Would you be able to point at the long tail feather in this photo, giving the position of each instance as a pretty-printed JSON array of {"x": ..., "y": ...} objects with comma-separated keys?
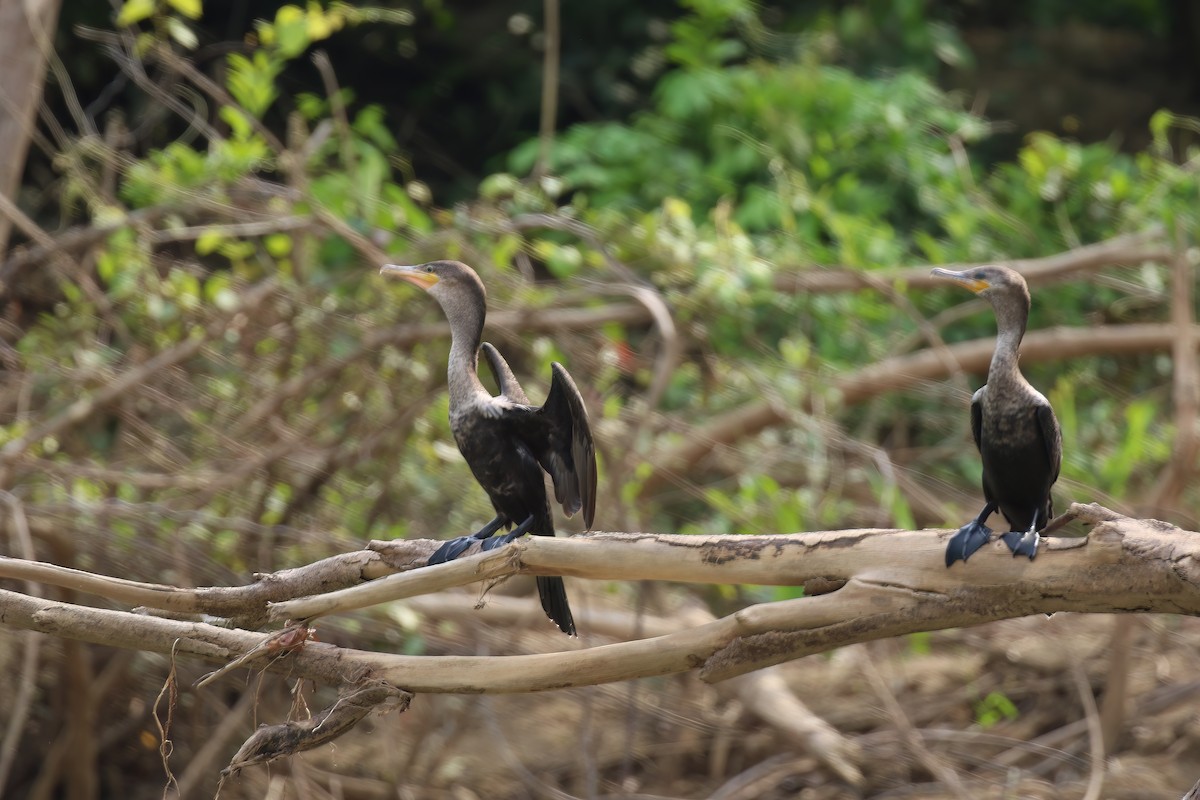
[{"x": 554, "y": 602}]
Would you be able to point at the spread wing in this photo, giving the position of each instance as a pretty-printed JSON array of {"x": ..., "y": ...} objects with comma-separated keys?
[
  {"x": 569, "y": 455},
  {"x": 503, "y": 375},
  {"x": 557, "y": 433}
]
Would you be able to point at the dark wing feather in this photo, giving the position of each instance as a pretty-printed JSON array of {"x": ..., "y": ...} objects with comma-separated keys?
[
  {"x": 1051, "y": 436},
  {"x": 503, "y": 375},
  {"x": 560, "y": 438},
  {"x": 977, "y": 416},
  {"x": 571, "y": 457}
]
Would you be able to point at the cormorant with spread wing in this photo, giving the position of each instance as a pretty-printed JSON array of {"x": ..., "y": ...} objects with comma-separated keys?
[
  {"x": 1015, "y": 429},
  {"x": 506, "y": 441}
]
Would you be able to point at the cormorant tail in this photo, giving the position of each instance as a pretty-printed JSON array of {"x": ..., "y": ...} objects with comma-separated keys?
[{"x": 554, "y": 603}]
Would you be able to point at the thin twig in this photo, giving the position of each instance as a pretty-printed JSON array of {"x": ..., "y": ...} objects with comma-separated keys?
[
  {"x": 84, "y": 407},
  {"x": 551, "y": 38},
  {"x": 902, "y": 372},
  {"x": 1096, "y": 750},
  {"x": 1127, "y": 249},
  {"x": 908, "y": 733},
  {"x": 1186, "y": 385},
  {"x": 18, "y": 711},
  {"x": 337, "y": 107},
  {"x": 230, "y": 229}
]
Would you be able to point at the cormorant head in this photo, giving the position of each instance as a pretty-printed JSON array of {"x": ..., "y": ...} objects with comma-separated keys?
[
  {"x": 992, "y": 281},
  {"x": 452, "y": 283}
]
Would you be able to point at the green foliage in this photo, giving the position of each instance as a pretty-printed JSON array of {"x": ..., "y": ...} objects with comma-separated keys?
[
  {"x": 919, "y": 643},
  {"x": 760, "y": 153},
  {"x": 994, "y": 709},
  {"x": 246, "y": 439},
  {"x": 854, "y": 170}
]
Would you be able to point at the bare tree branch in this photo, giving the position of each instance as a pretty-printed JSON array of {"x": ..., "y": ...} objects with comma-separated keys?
[
  {"x": 1129, "y": 249},
  {"x": 85, "y": 406},
  {"x": 902, "y": 372},
  {"x": 863, "y": 585},
  {"x": 877, "y": 584}
]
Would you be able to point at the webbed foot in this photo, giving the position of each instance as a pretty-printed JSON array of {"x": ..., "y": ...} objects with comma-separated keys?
[
  {"x": 456, "y": 547},
  {"x": 1022, "y": 544},
  {"x": 452, "y": 549},
  {"x": 514, "y": 534},
  {"x": 497, "y": 541},
  {"x": 970, "y": 537}
]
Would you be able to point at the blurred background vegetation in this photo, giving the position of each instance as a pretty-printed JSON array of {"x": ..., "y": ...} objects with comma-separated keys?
[{"x": 205, "y": 378}]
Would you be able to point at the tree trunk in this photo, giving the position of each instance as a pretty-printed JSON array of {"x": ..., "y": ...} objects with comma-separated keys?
[{"x": 26, "y": 35}]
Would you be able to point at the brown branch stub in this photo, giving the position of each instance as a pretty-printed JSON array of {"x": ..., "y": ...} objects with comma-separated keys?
[
  {"x": 271, "y": 742},
  {"x": 288, "y": 640}
]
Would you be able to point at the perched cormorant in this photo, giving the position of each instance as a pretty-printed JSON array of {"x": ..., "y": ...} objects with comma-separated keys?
[
  {"x": 507, "y": 441},
  {"x": 1014, "y": 427}
]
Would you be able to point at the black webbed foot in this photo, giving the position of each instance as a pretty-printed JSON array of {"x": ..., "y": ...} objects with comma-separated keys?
[
  {"x": 970, "y": 537},
  {"x": 1022, "y": 544},
  {"x": 514, "y": 534},
  {"x": 499, "y": 541},
  {"x": 456, "y": 547},
  {"x": 453, "y": 549}
]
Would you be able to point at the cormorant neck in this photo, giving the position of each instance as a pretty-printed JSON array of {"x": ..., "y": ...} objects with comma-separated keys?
[
  {"x": 1012, "y": 314},
  {"x": 466, "y": 332}
]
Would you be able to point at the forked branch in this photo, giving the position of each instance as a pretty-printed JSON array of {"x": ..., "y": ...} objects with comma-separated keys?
[
  {"x": 868, "y": 584},
  {"x": 863, "y": 585}
]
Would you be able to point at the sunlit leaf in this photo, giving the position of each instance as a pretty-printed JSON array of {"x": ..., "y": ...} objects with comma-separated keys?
[
  {"x": 180, "y": 32},
  {"x": 134, "y": 11},
  {"x": 189, "y": 8}
]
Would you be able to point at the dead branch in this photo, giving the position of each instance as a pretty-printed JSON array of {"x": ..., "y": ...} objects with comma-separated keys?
[
  {"x": 85, "y": 406},
  {"x": 890, "y": 583},
  {"x": 763, "y": 693},
  {"x": 864, "y": 585},
  {"x": 901, "y": 372},
  {"x": 244, "y": 604},
  {"x": 1186, "y": 386},
  {"x": 524, "y": 320},
  {"x": 270, "y": 742},
  {"x": 1129, "y": 249}
]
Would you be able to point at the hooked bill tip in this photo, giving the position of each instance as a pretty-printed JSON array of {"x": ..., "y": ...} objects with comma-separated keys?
[
  {"x": 974, "y": 284},
  {"x": 413, "y": 274}
]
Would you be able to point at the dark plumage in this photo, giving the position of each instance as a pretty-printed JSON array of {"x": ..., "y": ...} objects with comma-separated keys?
[
  {"x": 1014, "y": 427},
  {"x": 507, "y": 441}
]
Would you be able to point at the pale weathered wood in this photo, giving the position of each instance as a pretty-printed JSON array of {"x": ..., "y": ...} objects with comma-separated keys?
[
  {"x": 867, "y": 584},
  {"x": 876, "y": 584}
]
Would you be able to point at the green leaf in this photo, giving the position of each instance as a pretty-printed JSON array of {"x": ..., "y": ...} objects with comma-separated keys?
[
  {"x": 252, "y": 81},
  {"x": 291, "y": 31},
  {"x": 180, "y": 32},
  {"x": 1160, "y": 123},
  {"x": 135, "y": 11},
  {"x": 189, "y": 8},
  {"x": 994, "y": 709},
  {"x": 278, "y": 244},
  {"x": 208, "y": 242},
  {"x": 236, "y": 121}
]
